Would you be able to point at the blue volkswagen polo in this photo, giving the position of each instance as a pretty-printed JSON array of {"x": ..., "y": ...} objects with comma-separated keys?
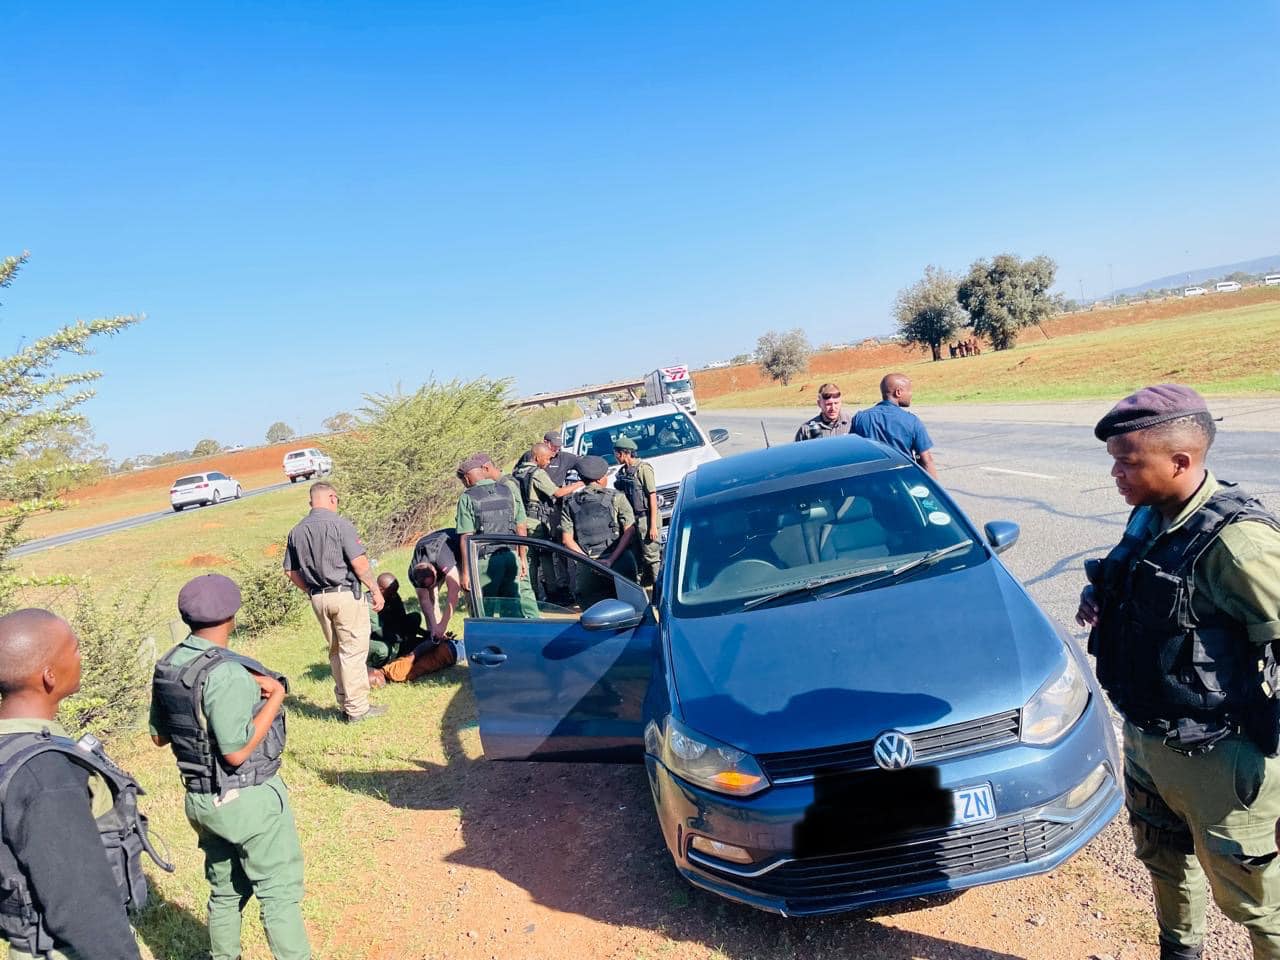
[{"x": 841, "y": 697}]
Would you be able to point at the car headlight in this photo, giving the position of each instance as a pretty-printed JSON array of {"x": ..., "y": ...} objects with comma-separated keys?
[
  {"x": 701, "y": 760},
  {"x": 1056, "y": 706}
]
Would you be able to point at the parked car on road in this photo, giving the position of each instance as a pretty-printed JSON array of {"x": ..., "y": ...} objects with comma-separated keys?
[
  {"x": 841, "y": 697},
  {"x": 304, "y": 464},
  {"x": 666, "y": 437},
  {"x": 203, "y": 488}
]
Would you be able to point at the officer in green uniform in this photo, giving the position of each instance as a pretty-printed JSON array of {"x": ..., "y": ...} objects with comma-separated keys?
[
  {"x": 542, "y": 504},
  {"x": 491, "y": 503},
  {"x": 1185, "y": 613},
  {"x": 223, "y": 716},
  {"x": 635, "y": 481},
  {"x": 69, "y": 860},
  {"x": 598, "y": 522}
]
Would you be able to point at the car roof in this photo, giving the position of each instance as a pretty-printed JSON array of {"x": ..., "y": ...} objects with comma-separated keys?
[
  {"x": 788, "y": 465},
  {"x": 624, "y": 416}
]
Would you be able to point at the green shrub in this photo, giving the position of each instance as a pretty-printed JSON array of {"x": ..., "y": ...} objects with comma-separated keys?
[
  {"x": 118, "y": 649},
  {"x": 267, "y": 597},
  {"x": 395, "y": 469}
]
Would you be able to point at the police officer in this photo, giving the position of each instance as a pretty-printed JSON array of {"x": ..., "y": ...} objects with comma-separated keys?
[
  {"x": 541, "y": 498},
  {"x": 1185, "y": 613},
  {"x": 223, "y": 716},
  {"x": 69, "y": 815},
  {"x": 326, "y": 560},
  {"x": 435, "y": 560},
  {"x": 490, "y": 504},
  {"x": 889, "y": 422},
  {"x": 829, "y": 421},
  {"x": 598, "y": 522},
  {"x": 635, "y": 481}
]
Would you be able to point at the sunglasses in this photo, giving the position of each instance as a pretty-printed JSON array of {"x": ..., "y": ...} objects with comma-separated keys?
[{"x": 831, "y": 396}]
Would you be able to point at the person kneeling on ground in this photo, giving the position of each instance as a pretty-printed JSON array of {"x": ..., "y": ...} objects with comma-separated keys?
[
  {"x": 399, "y": 631},
  {"x": 409, "y": 652}
]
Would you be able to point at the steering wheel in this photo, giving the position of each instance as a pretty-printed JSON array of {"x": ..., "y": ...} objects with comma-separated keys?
[{"x": 746, "y": 572}]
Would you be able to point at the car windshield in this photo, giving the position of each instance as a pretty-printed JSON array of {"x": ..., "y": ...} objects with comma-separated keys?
[
  {"x": 296, "y": 456},
  {"x": 653, "y": 437},
  {"x": 187, "y": 481},
  {"x": 568, "y": 434},
  {"x": 678, "y": 386},
  {"x": 816, "y": 540}
]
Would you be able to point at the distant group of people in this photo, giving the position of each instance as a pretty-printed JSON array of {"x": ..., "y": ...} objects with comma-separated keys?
[
  {"x": 965, "y": 348},
  {"x": 888, "y": 422}
]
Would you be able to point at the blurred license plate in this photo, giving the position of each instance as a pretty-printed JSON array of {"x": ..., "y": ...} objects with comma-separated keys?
[{"x": 973, "y": 805}]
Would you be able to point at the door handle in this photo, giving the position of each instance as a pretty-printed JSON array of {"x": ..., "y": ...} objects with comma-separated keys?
[{"x": 489, "y": 657}]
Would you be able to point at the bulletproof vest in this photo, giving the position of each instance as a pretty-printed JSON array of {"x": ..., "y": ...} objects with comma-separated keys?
[
  {"x": 627, "y": 482},
  {"x": 594, "y": 526},
  {"x": 178, "y": 693},
  {"x": 495, "y": 507},
  {"x": 122, "y": 829},
  {"x": 1164, "y": 666},
  {"x": 533, "y": 502}
]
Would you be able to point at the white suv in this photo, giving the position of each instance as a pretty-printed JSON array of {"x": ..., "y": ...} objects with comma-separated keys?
[
  {"x": 304, "y": 464},
  {"x": 203, "y": 488}
]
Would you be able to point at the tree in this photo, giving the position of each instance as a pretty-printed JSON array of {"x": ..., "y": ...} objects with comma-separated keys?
[
  {"x": 783, "y": 355},
  {"x": 206, "y": 448},
  {"x": 1007, "y": 294},
  {"x": 927, "y": 311},
  {"x": 279, "y": 432},
  {"x": 340, "y": 422},
  {"x": 38, "y": 405},
  {"x": 60, "y": 459}
]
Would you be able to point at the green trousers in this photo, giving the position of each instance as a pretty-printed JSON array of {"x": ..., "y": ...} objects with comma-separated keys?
[
  {"x": 1208, "y": 818},
  {"x": 542, "y": 574},
  {"x": 591, "y": 587},
  {"x": 506, "y": 593},
  {"x": 648, "y": 554},
  {"x": 251, "y": 848}
]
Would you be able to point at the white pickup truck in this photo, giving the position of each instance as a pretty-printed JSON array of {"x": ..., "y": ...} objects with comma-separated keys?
[{"x": 304, "y": 464}]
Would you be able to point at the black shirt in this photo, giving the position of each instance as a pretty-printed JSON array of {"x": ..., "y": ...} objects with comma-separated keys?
[
  {"x": 440, "y": 548},
  {"x": 49, "y": 827}
]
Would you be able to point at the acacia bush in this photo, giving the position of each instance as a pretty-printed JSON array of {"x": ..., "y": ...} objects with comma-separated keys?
[
  {"x": 267, "y": 598},
  {"x": 395, "y": 469},
  {"x": 118, "y": 649}
]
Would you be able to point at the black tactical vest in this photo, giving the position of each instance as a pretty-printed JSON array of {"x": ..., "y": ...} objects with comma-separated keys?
[
  {"x": 627, "y": 482},
  {"x": 495, "y": 507},
  {"x": 594, "y": 526},
  {"x": 1165, "y": 668},
  {"x": 533, "y": 503},
  {"x": 122, "y": 829},
  {"x": 178, "y": 693}
]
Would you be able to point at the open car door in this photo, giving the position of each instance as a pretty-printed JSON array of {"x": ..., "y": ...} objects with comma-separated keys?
[{"x": 554, "y": 682}]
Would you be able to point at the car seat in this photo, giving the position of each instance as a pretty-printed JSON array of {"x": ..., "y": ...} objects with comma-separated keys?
[{"x": 854, "y": 534}]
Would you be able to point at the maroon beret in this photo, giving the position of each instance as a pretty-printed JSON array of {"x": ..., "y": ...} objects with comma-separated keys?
[
  {"x": 1148, "y": 407},
  {"x": 473, "y": 462},
  {"x": 211, "y": 598}
]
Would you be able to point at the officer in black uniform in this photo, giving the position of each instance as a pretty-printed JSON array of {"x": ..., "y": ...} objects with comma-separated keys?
[
  {"x": 1185, "y": 614},
  {"x": 435, "y": 560},
  {"x": 72, "y": 835}
]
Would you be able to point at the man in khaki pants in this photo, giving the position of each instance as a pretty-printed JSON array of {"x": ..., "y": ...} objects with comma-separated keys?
[{"x": 326, "y": 560}]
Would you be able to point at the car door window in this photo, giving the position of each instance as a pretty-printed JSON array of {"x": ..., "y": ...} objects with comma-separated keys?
[{"x": 553, "y": 583}]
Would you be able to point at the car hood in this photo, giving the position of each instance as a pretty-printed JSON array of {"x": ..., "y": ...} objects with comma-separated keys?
[
  {"x": 810, "y": 673},
  {"x": 671, "y": 467}
]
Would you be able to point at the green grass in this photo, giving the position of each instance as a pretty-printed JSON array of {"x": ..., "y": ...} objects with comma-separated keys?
[{"x": 1235, "y": 351}]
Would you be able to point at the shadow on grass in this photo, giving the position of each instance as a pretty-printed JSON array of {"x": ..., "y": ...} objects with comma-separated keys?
[
  {"x": 170, "y": 931},
  {"x": 609, "y": 861}
]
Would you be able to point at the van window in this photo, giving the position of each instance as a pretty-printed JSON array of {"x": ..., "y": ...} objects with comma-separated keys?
[
  {"x": 189, "y": 481},
  {"x": 296, "y": 455},
  {"x": 654, "y": 437}
]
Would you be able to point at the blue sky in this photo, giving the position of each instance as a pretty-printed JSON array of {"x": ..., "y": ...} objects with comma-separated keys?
[{"x": 314, "y": 202}]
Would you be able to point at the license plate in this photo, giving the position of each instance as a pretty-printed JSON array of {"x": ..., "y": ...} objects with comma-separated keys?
[{"x": 973, "y": 805}]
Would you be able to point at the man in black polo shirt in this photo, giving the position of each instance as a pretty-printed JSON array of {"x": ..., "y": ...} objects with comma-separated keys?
[{"x": 326, "y": 560}]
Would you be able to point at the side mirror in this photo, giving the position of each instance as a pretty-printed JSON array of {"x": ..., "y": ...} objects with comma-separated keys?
[
  {"x": 610, "y": 615},
  {"x": 719, "y": 435},
  {"x": 1001, "y": 534}
]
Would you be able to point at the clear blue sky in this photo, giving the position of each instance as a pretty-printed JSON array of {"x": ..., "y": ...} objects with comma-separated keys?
[{"x": 315, "y": 201}]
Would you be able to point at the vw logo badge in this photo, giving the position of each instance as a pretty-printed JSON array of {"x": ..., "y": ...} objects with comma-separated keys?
[{"x": 893, "y": 750}]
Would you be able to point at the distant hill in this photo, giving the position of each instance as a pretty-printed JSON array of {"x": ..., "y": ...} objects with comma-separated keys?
[{"x": 1269, "y": 264}]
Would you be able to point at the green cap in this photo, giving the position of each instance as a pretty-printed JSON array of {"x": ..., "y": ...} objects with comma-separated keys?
[{"x": 624, "y": 443}]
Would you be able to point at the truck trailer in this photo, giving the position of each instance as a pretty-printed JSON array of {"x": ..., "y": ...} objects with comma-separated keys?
[{"x": 670, "y": 385}]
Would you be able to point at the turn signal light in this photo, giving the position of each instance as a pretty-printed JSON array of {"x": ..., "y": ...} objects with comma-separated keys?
[
  {"x": 724, "y": 851},
  {"x": 736, "y": 780}
]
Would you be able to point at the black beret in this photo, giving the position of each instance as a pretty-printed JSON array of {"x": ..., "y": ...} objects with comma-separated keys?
[
  {"x": 211, "y": 598},
  {"x": 592, "y": 468},
  {"x": 553, "y": 437},
  {"x": 473, "y": 462},
  {"x": 1148, "y": 407}
]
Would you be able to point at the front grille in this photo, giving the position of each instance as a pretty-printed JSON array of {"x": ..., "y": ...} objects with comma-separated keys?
[
  {"x": 937, "y": 855},
  {"x": 667, "y": 498},
  {"x": 930, "y": 745}
]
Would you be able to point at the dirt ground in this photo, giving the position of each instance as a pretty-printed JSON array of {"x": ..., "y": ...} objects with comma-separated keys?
[{"x": 715, "y": 383}]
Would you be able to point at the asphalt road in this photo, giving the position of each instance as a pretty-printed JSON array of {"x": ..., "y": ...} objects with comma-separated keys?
[{"x": 75, "y": 536}]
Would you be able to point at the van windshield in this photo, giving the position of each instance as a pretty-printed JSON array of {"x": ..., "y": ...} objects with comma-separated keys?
[
  {"x": 654, "y": 437},
  {"x": 730, "y": 554}
]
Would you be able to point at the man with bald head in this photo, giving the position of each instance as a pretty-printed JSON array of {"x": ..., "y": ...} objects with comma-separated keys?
[
  {"x": 49, "y": 825},
  {"x": 889, "y": 422},
  {"x": 542, "y": 498},
  {"x": 1185, "y": 618}
]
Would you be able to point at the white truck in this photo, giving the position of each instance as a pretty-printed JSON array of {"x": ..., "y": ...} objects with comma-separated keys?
[{"x": 670, "y": 385}]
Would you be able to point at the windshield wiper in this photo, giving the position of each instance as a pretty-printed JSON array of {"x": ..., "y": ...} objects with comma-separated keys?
[
  {"x": 810, "y": 585},
  {"x": 923, "y": 561}
]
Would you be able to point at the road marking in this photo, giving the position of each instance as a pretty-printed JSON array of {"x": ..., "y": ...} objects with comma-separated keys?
[{"x": 1020, "y": 473}]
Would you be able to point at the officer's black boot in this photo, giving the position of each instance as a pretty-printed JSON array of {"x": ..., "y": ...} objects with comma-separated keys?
[{"x": 1171, "y": 951}]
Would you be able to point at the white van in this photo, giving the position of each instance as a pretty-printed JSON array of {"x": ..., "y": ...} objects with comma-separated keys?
[
  {"x": 1194, "y": 292},
  {"x": 1272, "y": 280},
  {"x": 1226, "y": 286}
]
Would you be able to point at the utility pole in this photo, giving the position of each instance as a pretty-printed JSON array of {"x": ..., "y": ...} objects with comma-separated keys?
[
  {"x": 1111, "y": 282},
  {"x": 1081, "y": 282}
]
